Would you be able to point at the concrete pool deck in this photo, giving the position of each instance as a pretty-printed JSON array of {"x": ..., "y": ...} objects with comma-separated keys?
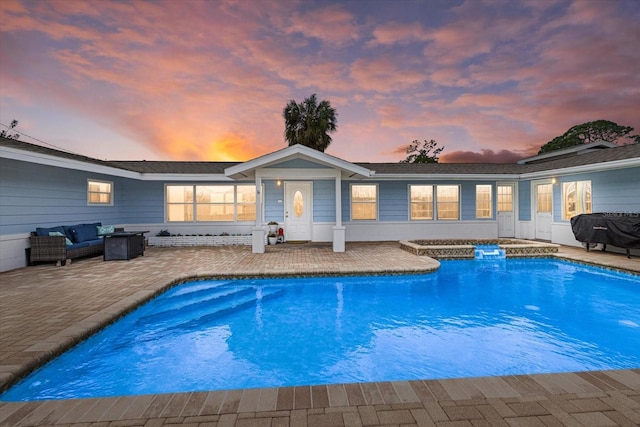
[{"x": 44, "y": 310}]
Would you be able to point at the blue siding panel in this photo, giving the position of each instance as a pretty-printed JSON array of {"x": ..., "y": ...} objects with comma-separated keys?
[
  {"x": 37, "y": 195},
  {"x": 524, "y": 201},
  {"x": 612, "y": 191},
  {"x": 143, "y": 202},
  {"x": 297, "y": 164},
  {"x": 346, "y": 201},
  {"x": 324, "y": 201},
  {"x": 273, "y": 201},
  {"x": 393, "y": 202}
]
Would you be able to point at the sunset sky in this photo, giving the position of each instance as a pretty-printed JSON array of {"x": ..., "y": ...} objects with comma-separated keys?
[{"x": 207, "y": 80}]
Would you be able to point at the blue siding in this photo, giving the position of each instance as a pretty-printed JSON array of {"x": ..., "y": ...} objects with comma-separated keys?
[
  {"x": 273, "y": 201},
  {"x": 346, "y": 201},
  {"x": 298, "y": 164},
  {"x": 142, "y": 202},
  {"x": 612, "y": 191},
  {"x": 324, "y": 201},
  {"x": 524, "y": 201},
  {"x": 393, "y": 202},
  {"x": 37, "y": 195}
]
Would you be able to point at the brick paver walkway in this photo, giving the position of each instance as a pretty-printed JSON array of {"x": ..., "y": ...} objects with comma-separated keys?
[{"x": 44, "y": 310}]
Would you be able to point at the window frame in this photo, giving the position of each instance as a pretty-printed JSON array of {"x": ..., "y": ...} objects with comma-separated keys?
[
  {"x": 457, "y": 202},
  {"x": 488, "y": 215},
  {"x": 375, "y": 202},
  {"x": 194, "y": 203},
  {"x": 500, "y": 203},
  {"x": 579, "y": 208},
  {"x": 111, "y": 192},
  {"x": 413, "y": 203}
]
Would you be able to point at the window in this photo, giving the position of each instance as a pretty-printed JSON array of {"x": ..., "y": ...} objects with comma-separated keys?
[
  {"x": 246, "y": 202},
  {"x": 483, "y": 201},
  {"x": 99, "y": 192},
  {"x": 364, "y": 202},
  {"x": 209, "y": 203},
  {"x": 179, "y": 202},
  {"x": 545, "y": 196},
  {"x": 448, "y": 202},
  {"x": 421, "y": 200},
  {"x": 505, "y": 198},
  {"x": 576, "y": 198}
]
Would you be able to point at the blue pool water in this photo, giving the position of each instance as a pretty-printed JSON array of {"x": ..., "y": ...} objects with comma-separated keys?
[{"x": 471, "y": 318}]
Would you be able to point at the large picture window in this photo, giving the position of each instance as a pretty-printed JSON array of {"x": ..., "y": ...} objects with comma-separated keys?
[
  {"x": 483, "y": 201},
  {"x": 211, "y": 203},
  {"x": 99, "y": 192},
  {"x": 364, "y": 202},
  {"x": 448, "y": 202},
  {"x": 576, "y": 198},
  {"x": 421, "y": 200}
]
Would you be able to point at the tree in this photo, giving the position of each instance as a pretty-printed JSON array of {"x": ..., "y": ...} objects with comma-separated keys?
[
  {"x": 309, "y": 123},
  {"x": 422, "y": 152},
  {"x": 599, "y": 130},
  {"x": 7, "y": 133}
]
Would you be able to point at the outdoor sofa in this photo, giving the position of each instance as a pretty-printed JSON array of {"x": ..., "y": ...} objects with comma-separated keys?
[{"x": 66, "y": 242}]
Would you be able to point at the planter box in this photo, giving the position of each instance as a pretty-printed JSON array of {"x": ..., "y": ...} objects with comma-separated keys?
[{"x": 172, "y": 241}]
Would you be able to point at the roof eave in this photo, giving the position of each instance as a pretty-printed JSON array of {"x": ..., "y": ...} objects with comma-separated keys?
[
  {"x": 61, "y": 162},
  {"x": 247, "y": 169}
]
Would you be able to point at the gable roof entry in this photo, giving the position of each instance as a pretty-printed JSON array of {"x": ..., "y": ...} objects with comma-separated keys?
[{"x": 248, "y": 169}]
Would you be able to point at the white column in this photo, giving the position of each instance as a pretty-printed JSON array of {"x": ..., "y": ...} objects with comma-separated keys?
[
  {"x": 257, "y": 232},
  {"x": 339, "y": 231}
]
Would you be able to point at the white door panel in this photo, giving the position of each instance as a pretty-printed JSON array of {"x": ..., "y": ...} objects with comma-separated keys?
[{"x": 298, "y": 210}]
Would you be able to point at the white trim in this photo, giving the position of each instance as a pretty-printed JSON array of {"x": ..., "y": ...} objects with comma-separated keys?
[
  {"x": 61, "y": 162},
  {"x": 579, "y": 149},
  {"x": 593, "y": 167},
  {"x": 248, "y": 169},
  {"x": 364, "y": 221},
  {"x": 445, "y": 177},
  {"x": 111, "y": 193}
]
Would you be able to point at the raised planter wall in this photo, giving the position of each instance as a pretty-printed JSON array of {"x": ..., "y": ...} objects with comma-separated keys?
[{"x": 172, "y": 241}]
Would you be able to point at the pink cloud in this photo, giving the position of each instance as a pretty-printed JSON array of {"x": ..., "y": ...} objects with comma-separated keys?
[
  {"x": 399, "y": 32},
  {"x": 332, "y": 24}
]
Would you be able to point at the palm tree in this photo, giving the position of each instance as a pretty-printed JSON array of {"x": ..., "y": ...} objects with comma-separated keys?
[{"x": 309, "y": 123}]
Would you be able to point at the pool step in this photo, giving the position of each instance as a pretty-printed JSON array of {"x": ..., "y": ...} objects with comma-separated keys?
[
  {"x": 212, "y": 308},
  {"x": 235, "y": 306},
  {"x": 195, "y": 303},
  {"x": 192, "y": 292}
]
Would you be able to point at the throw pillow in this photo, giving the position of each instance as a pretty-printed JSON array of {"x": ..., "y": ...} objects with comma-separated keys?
[
  {"x": 57, "y": 233},
  {"x": 85, "y": 232},
  {"x": 105, "y": 229}
]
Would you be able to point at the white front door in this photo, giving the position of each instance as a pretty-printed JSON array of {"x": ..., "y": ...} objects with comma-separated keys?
[
  {"x": 544, "y": 205},
  {"x": 506, "y": 216},
  {"x": 297, "y": 210}
]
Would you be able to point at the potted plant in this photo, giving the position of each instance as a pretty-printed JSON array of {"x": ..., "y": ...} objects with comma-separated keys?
[
  {"x": 273, "y": 227},
  {"x": 273, "y": 238}
]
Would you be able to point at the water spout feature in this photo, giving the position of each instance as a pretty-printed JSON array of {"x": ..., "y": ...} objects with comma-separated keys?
[{"x": 486, "y": 252}]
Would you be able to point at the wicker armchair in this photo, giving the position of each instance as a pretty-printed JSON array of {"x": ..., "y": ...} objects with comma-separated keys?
[{"x": 54, "y": 248}]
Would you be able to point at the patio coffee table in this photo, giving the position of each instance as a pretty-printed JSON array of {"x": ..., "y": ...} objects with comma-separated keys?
[{"x": 123, "y": 245}]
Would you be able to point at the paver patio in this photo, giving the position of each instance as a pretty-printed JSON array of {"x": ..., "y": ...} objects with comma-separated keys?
[{"x": 44, "y": 310}]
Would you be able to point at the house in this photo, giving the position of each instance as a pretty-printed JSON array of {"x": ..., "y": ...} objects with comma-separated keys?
[{"x": 313, "y": 195}]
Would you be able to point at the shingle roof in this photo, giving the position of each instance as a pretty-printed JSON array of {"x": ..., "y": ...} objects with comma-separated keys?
[
  {"x": 180, "y": 167},
  {"x": 177, "y": 167}
]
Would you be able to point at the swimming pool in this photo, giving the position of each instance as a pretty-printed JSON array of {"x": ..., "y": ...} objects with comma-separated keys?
[{"x": 470, "y": 318}]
